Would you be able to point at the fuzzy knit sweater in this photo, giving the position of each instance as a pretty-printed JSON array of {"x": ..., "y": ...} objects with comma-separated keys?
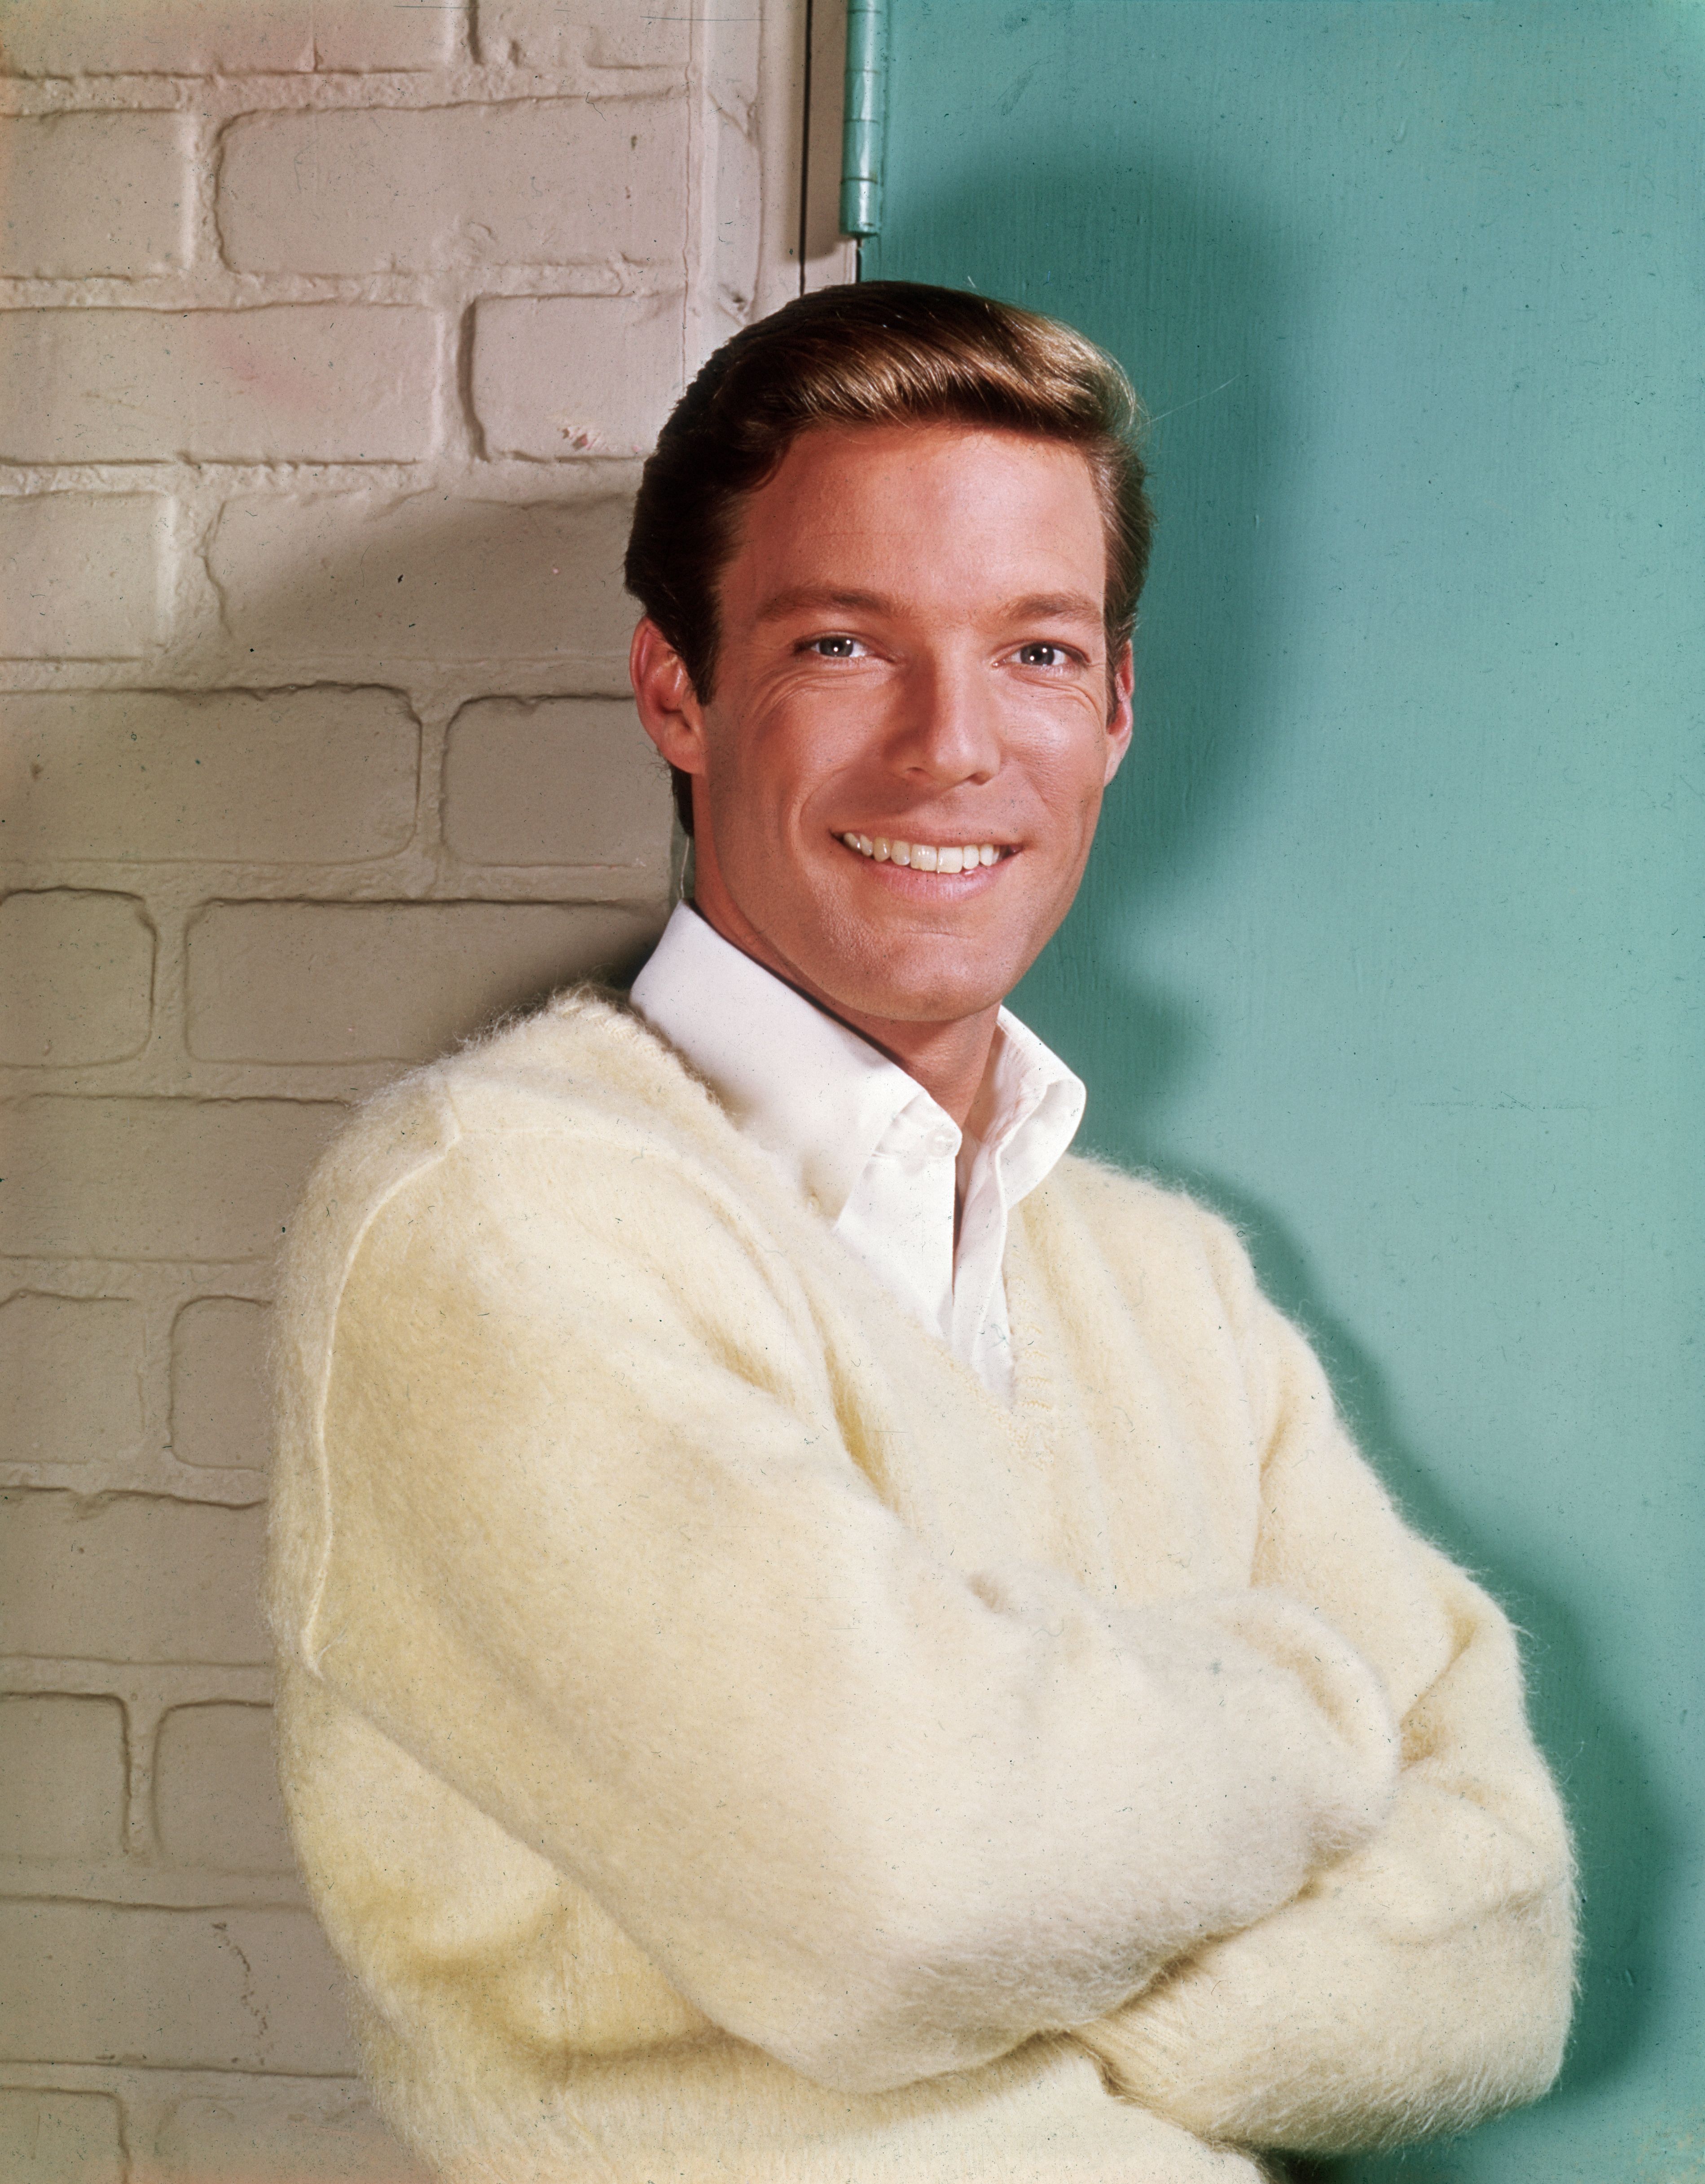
[{"x": 725, "y": 1742}]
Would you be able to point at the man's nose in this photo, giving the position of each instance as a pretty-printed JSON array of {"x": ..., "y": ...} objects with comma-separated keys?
[{"x": 950, "y": 726}]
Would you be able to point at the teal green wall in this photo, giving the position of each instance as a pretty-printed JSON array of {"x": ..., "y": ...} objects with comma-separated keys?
[{"x": 1392, "y": 942}]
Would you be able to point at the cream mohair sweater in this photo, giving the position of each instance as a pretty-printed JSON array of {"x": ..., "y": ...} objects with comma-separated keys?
[{"x": 724, "y": 1742}]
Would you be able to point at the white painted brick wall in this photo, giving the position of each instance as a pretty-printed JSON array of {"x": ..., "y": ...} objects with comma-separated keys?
[
  {"x": 105, "y": 778},
  {"x": 219, "y": 1402},
  {"x": 530, "y": 183},
  {"x": 71, "y": 1380},
  {"x": 288, "y": 382},
  {"x": 555, "y": 376},
  {"x": 330, "y": 334},
  {"x": 216, "y": 1800},
  {"x": 83, "y": 575},
  {"x": 96, "y": 194},
  {"x": 229, "y": 38},
  {"x": 76, "y": 976},
  {"x": 46, "y": 2137},
  {"x": 62, "y": 1778}
]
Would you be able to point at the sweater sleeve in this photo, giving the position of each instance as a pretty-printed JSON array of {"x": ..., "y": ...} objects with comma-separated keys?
[
  {"x": 596, "y": 1553},
  {"x": 1423, "y": 1981}
]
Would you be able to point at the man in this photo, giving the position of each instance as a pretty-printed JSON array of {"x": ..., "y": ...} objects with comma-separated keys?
[{"x": 822, "y": 1637}]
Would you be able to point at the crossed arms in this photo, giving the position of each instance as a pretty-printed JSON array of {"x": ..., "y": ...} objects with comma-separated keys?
[{"x": 628, "y": 1529}]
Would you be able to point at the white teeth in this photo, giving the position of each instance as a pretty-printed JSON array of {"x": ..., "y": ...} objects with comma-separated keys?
[{"x": 924, "y": 856}]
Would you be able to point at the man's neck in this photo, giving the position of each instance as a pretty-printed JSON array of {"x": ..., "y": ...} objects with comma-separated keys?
[{"x": 949, "y": 1060}]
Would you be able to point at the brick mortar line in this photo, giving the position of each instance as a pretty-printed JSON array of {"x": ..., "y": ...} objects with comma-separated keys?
[
  {"x": 311, "y": 1083},
  {"x": 200, "y": 228},
  {"x": 189, "y": 2079},
  {"x": 116, "y": 1886},
  {"x": 163, "y": 1051},
  {"x": 145, "y": 1279},
  {"x": 515, "y": 886},
  {"x": 451, "y": 684},
  {"x": 146, "y": 1684},
  {"x": 505, "y": 479},
  {"x": 588, "y": 475},
  {"x": 72, "y": 2072},
  {"x": 157, "y": 1481},
  {"x": 252, "y": 1484},
  {"x": 219, "y": 288},
  {"x": 227, "y": 95}
]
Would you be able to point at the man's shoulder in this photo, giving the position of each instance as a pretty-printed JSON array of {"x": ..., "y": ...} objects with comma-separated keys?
[
  {"x": 1121, "y": 1198},
  {"x": 579, "y": 1085},
  {"x": 582, "y": 1064},
  {"x": 1139, "y": 1224}
]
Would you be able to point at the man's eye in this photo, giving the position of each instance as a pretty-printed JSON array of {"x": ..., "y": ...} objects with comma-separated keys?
[
  {"x": 1041, "y": 655},
  {"x": 834, "y": 648}
]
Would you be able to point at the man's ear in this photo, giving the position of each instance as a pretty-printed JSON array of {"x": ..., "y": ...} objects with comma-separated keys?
[
  {"x": 669, "y": 708},
  {"x": 1121, "y": 717}
]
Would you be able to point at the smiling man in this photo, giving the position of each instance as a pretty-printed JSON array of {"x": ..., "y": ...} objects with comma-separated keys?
[{"x": 821, "y": 1636}]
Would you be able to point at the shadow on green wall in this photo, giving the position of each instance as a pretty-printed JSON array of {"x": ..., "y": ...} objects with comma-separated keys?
[{"x": 1189, "y": 288}]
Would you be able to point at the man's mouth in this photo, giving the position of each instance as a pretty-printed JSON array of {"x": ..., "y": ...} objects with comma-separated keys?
[{"x": 926, "y": 856}]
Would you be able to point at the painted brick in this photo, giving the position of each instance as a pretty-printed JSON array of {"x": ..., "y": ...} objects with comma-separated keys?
[
  {"x": 60, "y": 2138},
  {"x": 562, "y": 375},
  {"x": 156, "y": 1179},
  {"x": 212, "y": 37},
  {"x": 247, "y": 1990},
  {"x": 310, "y": 382},
  {"x": 95, "y": 193},
  {"x": 317, "y": 777},
  {"x": 291, "y": 2133},
  {"x": 350, "y": 576},
  {"x": 379, "y": 34},
  {"x": 82, "y": 575},
  {"x": 165, "y": 37},
  {"x": 62, "y": 1777},
  {"x": 527, "y": 184},
  {"x": 332, "y": 982},
  {"x": 555, "y": 781},
  {"x": 603, "y": 33},
  {"x": 70, "y": 1379},
  {"x": 130, "y": 1577},
  {"x": 76, "y": 977},
  {"x": 216, "y": 1798},
  {"x": 219, "y": 1396}
]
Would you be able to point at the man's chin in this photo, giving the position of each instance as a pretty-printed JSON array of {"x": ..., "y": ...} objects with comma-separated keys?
[{"x": 896, "y": 993}]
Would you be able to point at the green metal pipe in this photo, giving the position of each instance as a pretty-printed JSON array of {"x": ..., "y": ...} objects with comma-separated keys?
[{"x": 864, "y": 116}]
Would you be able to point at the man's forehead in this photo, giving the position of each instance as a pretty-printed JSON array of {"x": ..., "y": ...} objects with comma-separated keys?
[
  {"x": 1016, "y": 515},
  {"x": 848, "y": 448}
]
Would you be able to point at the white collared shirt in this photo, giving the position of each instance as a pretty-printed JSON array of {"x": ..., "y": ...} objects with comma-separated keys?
[{"x": 864, "y": 1143}]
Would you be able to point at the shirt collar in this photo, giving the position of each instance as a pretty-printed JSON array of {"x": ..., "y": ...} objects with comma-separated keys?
[
  {"x": 815, "y": 1095},
  {"x": 1036, "y": 1106}
]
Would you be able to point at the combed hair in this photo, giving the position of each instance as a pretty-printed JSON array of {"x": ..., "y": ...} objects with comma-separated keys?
[{"x": 878, "y": 352}]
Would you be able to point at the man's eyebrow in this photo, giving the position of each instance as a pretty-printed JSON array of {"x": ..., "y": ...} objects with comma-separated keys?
[
  {"x": 799, "y": 596},
  {"x": 1052, "y": 606},
  {"x": 1031, "y": 606}
]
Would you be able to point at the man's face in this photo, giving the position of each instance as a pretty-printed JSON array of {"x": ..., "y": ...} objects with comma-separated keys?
[{"x": 912, "y": 654}]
